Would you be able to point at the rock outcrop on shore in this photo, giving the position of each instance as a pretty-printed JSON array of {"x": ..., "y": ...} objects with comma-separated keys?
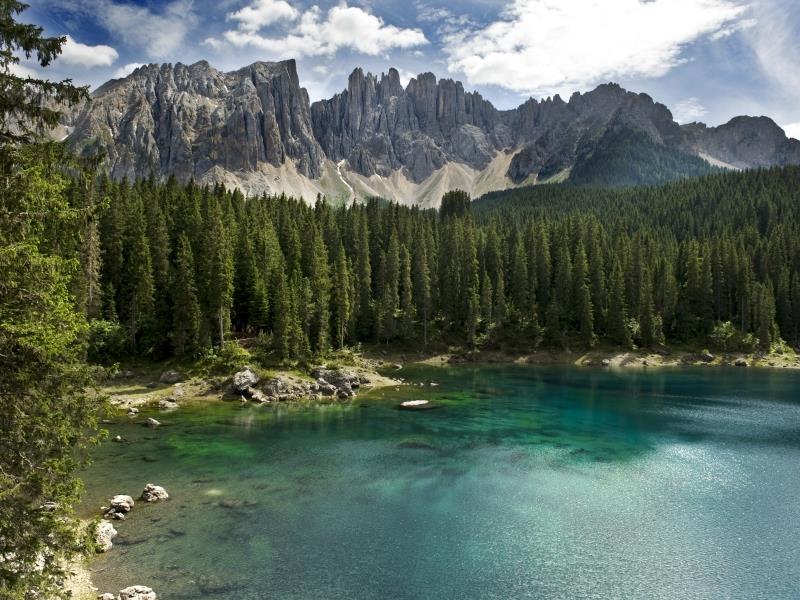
[{"x": 339, "y": 384}]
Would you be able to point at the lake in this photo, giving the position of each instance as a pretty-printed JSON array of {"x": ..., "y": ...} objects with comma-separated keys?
[{"x": 528, "y": 482}]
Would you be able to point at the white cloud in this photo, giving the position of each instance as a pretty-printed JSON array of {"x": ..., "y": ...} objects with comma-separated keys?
[
  {"x": 126, "y": 70},
  {"x": 688, "y": 110},
  {"x": 159, "y": 35},
  {"x": 22, "y": 71},
  {"x": 214, "y": 43},
  {"x": 774, "y": 42},
  {"x": 792, "y": 130},
  {"x": 263, "y": 12},
  {"x": 546, "y": 46},
  {"x": 405, "y": 76},
  {"x": 729, "y": 30},
  {"x": 342, "y": 27},
  {"x": 80, "y": 55}
]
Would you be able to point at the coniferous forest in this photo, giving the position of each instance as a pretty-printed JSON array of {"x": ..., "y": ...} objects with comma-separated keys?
[{"x": 713, "y": 262}]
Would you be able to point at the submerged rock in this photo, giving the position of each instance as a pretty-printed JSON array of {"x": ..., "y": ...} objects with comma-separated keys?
[
  {"x": 103, "y": 534},
  {"x": 154, "y": 493},
  {"x": 137, "y": 592},
  {"x": 417, "y": 405},
  {"x": 151, "y": 422}
]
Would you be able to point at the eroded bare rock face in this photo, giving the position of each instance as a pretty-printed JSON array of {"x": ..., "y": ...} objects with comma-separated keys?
[
  {"x": 193, "y": 121},
  {"x": 183, "y": 120}
]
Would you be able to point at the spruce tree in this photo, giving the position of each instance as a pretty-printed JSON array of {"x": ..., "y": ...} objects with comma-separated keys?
[
  {"x": 617, "y": 327},
  {"x": 406, "y": 295},
  {"x": 186, "y": 308},
  {"x": 341, "y": 299},
  {"x": 422, "y": 285}
]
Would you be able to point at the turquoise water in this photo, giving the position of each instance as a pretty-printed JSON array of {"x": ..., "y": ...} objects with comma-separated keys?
[{"x": 529, "y": 482}]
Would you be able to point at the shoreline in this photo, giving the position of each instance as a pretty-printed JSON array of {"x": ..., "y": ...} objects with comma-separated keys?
[{"x": 607, "y": 358}]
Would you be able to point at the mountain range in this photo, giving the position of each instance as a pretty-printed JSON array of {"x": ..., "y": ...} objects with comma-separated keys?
[{"x": 256, "y": 129}]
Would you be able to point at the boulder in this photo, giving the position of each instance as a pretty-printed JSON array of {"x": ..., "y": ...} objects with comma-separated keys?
[
  {"x": 133, "y": 411},
  {"x": 121, "y": 503},
  {"x": 137, "y": 592},
  {"x": 106, "y": 596},
  {"x": 151, "y": 422},
  {"x": 103, "y": 534},
  {"x": 337, "y": 382},
  {"x": 170, "y": 377},
  {"x": 706, "y": 356},
  {"x": 606, "y": 362},
  {"x": 154, "y": 493},
  {"x": 244, "y": 379},
  {"x": 740, "y": 362},
  {"x": 167, "y": 404}
]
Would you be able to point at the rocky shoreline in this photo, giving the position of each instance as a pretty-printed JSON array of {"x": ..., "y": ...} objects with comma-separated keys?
[{"x": 611, "y": 359}]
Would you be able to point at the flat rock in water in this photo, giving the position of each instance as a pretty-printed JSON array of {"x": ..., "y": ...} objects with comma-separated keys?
[{"x": 417, "y": 405}]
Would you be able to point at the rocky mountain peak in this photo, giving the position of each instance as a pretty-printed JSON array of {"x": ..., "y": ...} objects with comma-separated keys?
[{"x": 193, "y": 121}]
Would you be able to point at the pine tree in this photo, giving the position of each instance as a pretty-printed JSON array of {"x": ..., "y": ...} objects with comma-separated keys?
[
  {"x": 47, "y": 418},
  {"x": 647, "y": 318},
  {"x": 422, "y": 284},
  {"x": 137, "y": 279},
  {"x": 341, "y": 298},
  {"x": 186, "y": 308},
  {"x": 319, "y": 279},
  {"x": 390, "y": 297},
  {"x": 219, "y": 279},
  {"x": 617, "y": 311},
  {"x": 586, "y": 316},
  {"x": 406, "y": 295}
]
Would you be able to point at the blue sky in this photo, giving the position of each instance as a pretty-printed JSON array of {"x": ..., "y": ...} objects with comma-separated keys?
[{"x": 707, "y": 60}]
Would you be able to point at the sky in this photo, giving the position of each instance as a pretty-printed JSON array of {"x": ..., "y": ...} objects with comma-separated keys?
[{"x": 707, "y": 60}]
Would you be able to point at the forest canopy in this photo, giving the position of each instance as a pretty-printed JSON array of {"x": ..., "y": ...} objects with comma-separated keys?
[{"x": 708, "y": 261}]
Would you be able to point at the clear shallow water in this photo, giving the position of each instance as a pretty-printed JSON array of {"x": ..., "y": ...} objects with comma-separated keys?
[{"x": 530, "y": 482}]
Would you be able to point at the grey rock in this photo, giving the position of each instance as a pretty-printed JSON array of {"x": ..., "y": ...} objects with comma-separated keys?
[
  {"x": 244, "y": 379},
  {"x": 170, "y": 377},
  {"x": 153, "y": 423},
  {"x": 106, "y": 596},
  {"x": 195, "y": 122},
  {"x": 137, "y": 592},
  {"x": 741, "y": 362},
  {"x": 167, "y": 404},
  {"x": 154, "y": 493},
  {"x": 121, "y": 503},
  {"x": 103, "y": 534},
  {"x": 706, "y": 356}
]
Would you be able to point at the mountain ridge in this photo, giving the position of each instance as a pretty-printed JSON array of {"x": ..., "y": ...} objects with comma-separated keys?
[{"x": 255, "y": 128}]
